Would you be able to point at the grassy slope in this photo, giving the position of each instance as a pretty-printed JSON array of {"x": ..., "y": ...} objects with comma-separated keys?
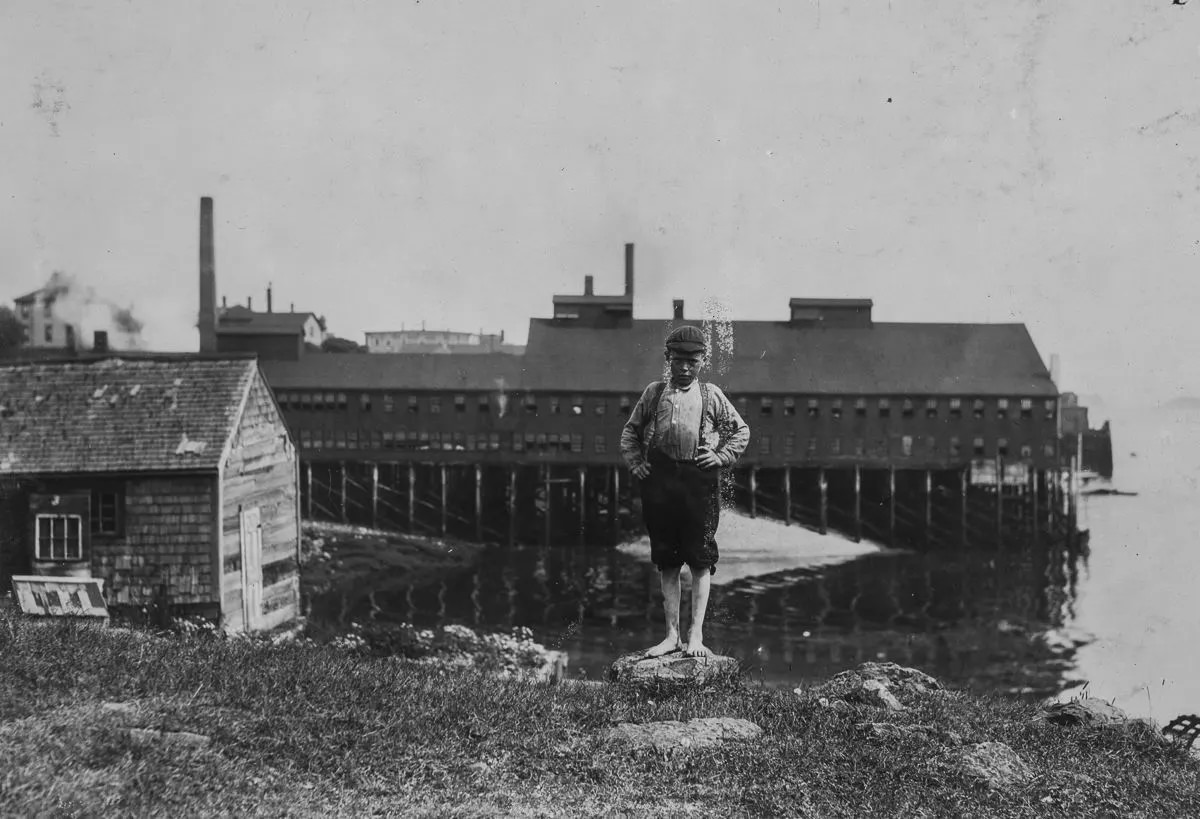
[{"x": 306, "y": 730}]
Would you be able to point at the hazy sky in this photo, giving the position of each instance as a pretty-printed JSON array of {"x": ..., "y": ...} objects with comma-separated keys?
[{"x": 389, "y": 163}]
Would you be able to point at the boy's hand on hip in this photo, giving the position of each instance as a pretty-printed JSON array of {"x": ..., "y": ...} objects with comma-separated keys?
[
  {"x": 641, "y": 470},
  {"x": 707, "y": 459}
]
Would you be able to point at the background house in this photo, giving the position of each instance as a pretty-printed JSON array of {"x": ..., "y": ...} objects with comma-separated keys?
[{"x": 172, "y": 478}]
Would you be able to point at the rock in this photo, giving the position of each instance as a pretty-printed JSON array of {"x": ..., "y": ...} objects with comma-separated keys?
[
  {"x": 675, "y": 668},
  {"x": 878, "y": 684},
  {"x": 1089, "y": 711},
  {"x": 124, "y": 709},
  {"x": 672, "y": 735},
  {"x": 145, "y": 736},
  {"x": 994, "y": 764},
  {"x": 877, "y": 693}
]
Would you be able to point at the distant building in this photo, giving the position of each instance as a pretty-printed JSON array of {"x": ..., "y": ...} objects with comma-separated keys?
[
  {"x": 270, "y": 335},
  {"x": 171, "y": 478},
  {"x": 439, "y": 341},
  {"x": 40, "y": 324}
]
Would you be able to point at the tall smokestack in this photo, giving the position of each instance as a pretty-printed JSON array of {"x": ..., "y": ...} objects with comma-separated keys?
[
  {"x": 587, "y": 285},
  {"x": 629, "y": 269},
  {"x": 268, "y": 297},
  {"x": 208, "y": 279},
  {"x": 100, "y": 341},
  {"x": 677, "y": 306}
]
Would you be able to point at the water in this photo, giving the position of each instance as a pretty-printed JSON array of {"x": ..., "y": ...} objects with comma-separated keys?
[{"x": 798, "y": 607}]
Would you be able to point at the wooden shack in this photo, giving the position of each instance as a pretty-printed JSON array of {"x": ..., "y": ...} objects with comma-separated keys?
[{"x": 172, "y": 478}]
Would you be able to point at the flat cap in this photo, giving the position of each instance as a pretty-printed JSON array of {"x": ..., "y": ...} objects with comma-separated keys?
[{"x": 687, "y": 339}]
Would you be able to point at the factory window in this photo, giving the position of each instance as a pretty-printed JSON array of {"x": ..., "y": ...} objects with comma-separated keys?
[
  {"x": 577, "y": 443},
  {"x": 906, "y": 409},
  {"x": 106, "y": 512},
  {"x": 600, "y": 444},
  {"x": 860, "y": 407},
  {"x": 460, "y": 440},
  {"x": 555, "y": 409},
  {"x": 955, "y": 446},
  {"x": 435, "y": 404},
  {"x": 885, "y": 407},
  {"x": 835, "y": 446},
  {"x": 339, "y": 440},
  {"x": 460, "y": 403},
  {"x": 789, "y": 444},
  {"x": 880, "y": 448},
  {"x": 1048, "y": 450},
  {"x": 413, "y": 406},
  {"x": 1026, "y": 451},
  {"x": 48, "y": 308},
  {"x": 1048, "y": 404},
  {"x": 471, "y": 441},
  {"x": 814, "y": 408},
  {"x": 352, "y": 439},
  {"x": 1001, "y": 408},
  {"x": 531, "y": 405},
  {"x": 906, "y": 446},
  {"x": 518, "y": 442},
  {"x": 364, "y": 402},
  {"x": 977, "y": 408},
  {"x": 1026, "y": 407},
  {"x": 305, "y": 439},
  {"x": 743, "y": 405},
  {"x": 49, "y": 333},
  {"x": 764, "y": 445},
  {"x": 485, "y": 404},
  {"x": 859, "y": 448},
  {"x": 956, "y": 408},
  {"x": 306, "y": 400},
  {"x": 494, "y": 441},
  {"x": 766, "y": 406},
  {"x": 977, "y": 447},
  {"x": 601, "y": 407},
  {"x": 835, "y": 409},
  {"x": 388, "y": 404},
  {"x": 626, "y": 404},
  {"x": 59, "y": 537},
  {"x": 577, "y": 405},
  {"x": 930, "y": 444},
  {"x": 25, "y": 334},
  {"x": 1002, "y": 446},
  {"x": 329, "y": 400},
  {"x": 376, "y": 439},
  {"x": 341, "y": 400},
  {"x": 789, "y": 407},
  {"x": 811, "y": 447},
  {"x": 25, "y": 311},
  {"x": 931, "y": 408}
]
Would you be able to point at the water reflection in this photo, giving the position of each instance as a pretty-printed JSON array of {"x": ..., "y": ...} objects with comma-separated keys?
[{"x": 995, "y": 620}]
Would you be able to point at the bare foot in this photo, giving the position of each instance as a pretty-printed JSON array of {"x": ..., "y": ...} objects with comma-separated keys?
[
  {"x": 696, "y": 648},
  {"x": 665, "y": 647}
]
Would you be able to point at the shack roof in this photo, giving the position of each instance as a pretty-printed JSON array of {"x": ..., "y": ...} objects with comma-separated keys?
[
  {"x": 120, "y": 414},
  {"x": 778, "y": 357},
  {"x": 395, "y": 371},
  {"x": 238, "y": 320}
]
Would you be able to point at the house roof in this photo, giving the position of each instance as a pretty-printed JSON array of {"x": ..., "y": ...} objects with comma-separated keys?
[
  {"x": 120, "y": 414},
  {"x": 395, "y": 371},
  {"x": 238, "y": 320},
  {"x": 767, "y": 356}
]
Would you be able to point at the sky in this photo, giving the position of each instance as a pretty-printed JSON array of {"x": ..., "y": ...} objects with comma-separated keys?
[{"x": 390, "y": 164}]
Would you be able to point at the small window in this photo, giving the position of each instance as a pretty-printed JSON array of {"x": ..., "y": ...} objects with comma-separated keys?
[
  {"x": 555, "y": 407},
  {"x": 931, "y": 408},
  {"x": 601, "y": 407},
  {"x": 106, "y": 513},
  {"x": 835, "y": 410},
  {"x": 577, "y": 405},
  {"x": 364, "y": 402},
  {"x": 531, "y": 405},
  {"x": 743, "y": 405},
  {"x": 389, "y": 439},
  {"x": 930, "y": 444},
  {"x": 789, "y": 444},
  {"x": 460, "y": 403},
  {"x": 413, "y": 406},
  {"x": 764, "y": 445},
  {"x": 626, "y": 404},
  {"x": 885, "y": 407},
  {"x": 1048, "y": 450},
  {"x": 341, "y": 400},
  {"x": 1001, "y": 408},
  {"x": 906, "y": 444},
  {"x": 306, "y": 400},
  {"x": 59, "y": 537},
  {"x": 835, "y": 446},
  {"x": 577, "y": 440},
  {"x": 789, "y": 407},
  {"x": 471, "y": 441},
  {"x": 1026, "y": 451},
  {"x": 1026, "y": 407},
  {"x": 977, "y": 408},
  {"x": 811, "y": 446},
  {"x": 906, "y": 409},
  {"x": 859, "y": 447},
  {"x": 1002, "y": 446},
  {"x": 1048, "y": 406},
  {"x": 977, "y": 447},
  {"x": 600, "y": 444},
  {"x": 376, "y": 439},
  {"x": 814, "y": 408},
  {"x": 281, "y": 398},
  {"x": 860, "y": 407},
  {"x": 766, "y": 406},
  {"x": 494, "y": 441},
  {"x": 388, "y": 404},
  {"x": 305, "y": 439},
  {"x": 48, "y": 308},
  {"x": 956, "y": 408},
  {"x": 435, "y": 404},
  {"x": 339, "y": 440},
  {"x": 330, "y": 400},
  {"x": 955, "y": 446},
  {"x": 352, "y": 439},
  {"x": 485, "y": 404},
  {"x": 518, "y": 442}
]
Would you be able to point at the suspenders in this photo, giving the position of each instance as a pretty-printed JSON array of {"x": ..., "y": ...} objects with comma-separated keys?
[{"x": 652, "y": 410}]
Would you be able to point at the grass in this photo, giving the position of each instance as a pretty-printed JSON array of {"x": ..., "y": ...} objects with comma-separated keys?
[{"x": 301, "y": 729}]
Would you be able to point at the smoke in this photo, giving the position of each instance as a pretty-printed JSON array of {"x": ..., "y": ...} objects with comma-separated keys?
[{"x": 79, "y": 306}]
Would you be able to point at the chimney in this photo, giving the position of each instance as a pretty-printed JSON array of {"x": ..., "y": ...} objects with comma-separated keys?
[
  {"x": 223, "y": 302},
  {"x": 100, "y": 341},
  {"x": 249, "y": 302},
  {"x": 208, "y": 280},
  {"x": 587, "y": 285},
  {"x": 629, "y": 268},
  {"x": 292, "y": 307},
  {"x": 677, "y": 306},
  {"x": 268, "y": 297}
]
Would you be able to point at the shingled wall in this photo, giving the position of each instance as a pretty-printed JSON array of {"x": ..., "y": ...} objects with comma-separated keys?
[{"x": 261, "y": 472}]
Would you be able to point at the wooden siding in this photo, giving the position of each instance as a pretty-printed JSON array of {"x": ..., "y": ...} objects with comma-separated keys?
[{"x": 261, "y": 472}]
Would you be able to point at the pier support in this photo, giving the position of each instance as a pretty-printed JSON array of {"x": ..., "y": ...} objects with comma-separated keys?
[
  {"x": 787, "y": 495},
  {"x": 999, "y": 499},
  {"x": 1037, "y": 518},
  {"x": 412, "y": 498},
  {"x": 479, "y": 503},
  {"x": 345, "y": 508},
  {"x": 444, "y": 499},
  {"x": 512, "y": 504},
  {"x": 823, "y": 485},
  {"x": 857, "y": 503},
  {"x": 614, "y": 506},
  {"x": 374, "y": 495},
  {"x": 546, "y": 491},
  {"x": 928, "y": 503},
  {"x": 308, "y": 494},
  {"x": 754, "y": 491},
  {"x": 583, "y": 502},
  {"x": 892, "y": 504},
  {"x": 965, "y": 487}
]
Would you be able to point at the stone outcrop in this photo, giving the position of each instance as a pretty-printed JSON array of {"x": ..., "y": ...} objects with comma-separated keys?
[
  {"x": 674, "y": 736},
  {"x": 880, "y": 684},
  {"x": 674, "y": 669},
  {"x": 994, "y": 764},
  {"x": 1092, "y": 712}
]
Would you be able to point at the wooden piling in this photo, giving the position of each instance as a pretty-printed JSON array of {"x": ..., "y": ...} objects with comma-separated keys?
[
  {"x": 823, "y": 485},
  {"x": 512, "y": 504},
  {"x": 787, "y": 495},
  {"x": 546, "y": 490},
  {"x": 964, "y": 488},
  {"x": 345, "y": 508},
  {"x": 308, "y": 494},
  {"x": 754, "y": 491},
  {"x": 412, "y": 496},
  {"x": 999, "y": 499},
  {"x": 1037, "y": 518},
  {"x": 892, "y": 503},
  {"x": 857, "y": 503},
  {"x": 479, "y": 502},
  {"x": 615, "y": 505},
  {"x": 444, "y": 499},
  {"x": 928, "y": 502},
  {"x": 583, "y": 500},
  {"x": 374, "y": 495}
]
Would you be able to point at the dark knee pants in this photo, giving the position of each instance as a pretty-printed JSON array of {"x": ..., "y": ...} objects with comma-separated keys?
[{"x": 681, "y": 504}]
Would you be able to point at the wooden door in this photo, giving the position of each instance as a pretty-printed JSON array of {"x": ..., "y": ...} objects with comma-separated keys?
[{"x": 252, "y": 579}]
